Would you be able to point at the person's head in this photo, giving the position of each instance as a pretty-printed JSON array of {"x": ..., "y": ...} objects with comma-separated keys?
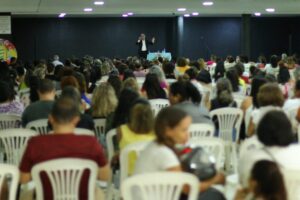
[
  {"x": 143, "y": 36},
  {"x": 6, "y": 92},
  {"x": 168, "y": 68},
  {"x": 233, "y": 77},
  {"x": 73, "y": 93},
  {"x": 81, "y": 82},
  {"x": 297, "y": 89},
  {"x": 132, "y": 84},
  {"x": 181, "y": 62},
  {"x": 69, "y": 81},
  {"x": 155, "y": 69},
  {"x": 104, "y": 100},
  {"x": 224, "y": 91},
  {"x": 202, "y": 64},
  {"x": 270, "y": 95},
  {"x": 65, "y": 112},
  {"x": 46, "y": 89},
  {"x": 284, "y": 74},
  {"x": 171, "y": 127},
  {"x": 141, "y": 119},
  {"x": 116, "y": 83},
  {"x": 267, "y": 182},
  {"x": 152, "y": 87},
  {"x": 274, "y": 61},
  {"x": 230, "y": 59},
  {"x": 126, "y": 99},
  {"x": 275, "y": 129},
  {"x": 257, "y": 82},
  {"x": 244, "y": 59},
  {"x": 240, "y": 68},
  {"x": 128, "y": 73},
  {"x": 262, "y": 59},
  {"x": 192, "y": 73},
  {"x": 55, "y": 57},
  {"x": 204, "y": 77},
  {"x": 184, "y": 91}
]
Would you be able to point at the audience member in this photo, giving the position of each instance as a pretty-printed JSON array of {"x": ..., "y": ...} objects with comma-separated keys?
[{"x": 8, "y": 103}]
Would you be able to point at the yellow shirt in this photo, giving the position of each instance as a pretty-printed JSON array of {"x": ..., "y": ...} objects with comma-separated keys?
[
  {"x": 130, "y": 137},
  {"x": 181, "y": 70}
]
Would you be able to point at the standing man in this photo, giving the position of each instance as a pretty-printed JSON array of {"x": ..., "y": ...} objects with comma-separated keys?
[{"x": 143, "y": 45}]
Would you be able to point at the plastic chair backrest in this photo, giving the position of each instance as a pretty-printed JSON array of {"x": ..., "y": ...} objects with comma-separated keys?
[
  {"x": 230, "y": 120},
  {"x": 11, "y": 172},
  {"x": 83, "y": 131},
  {"x": 65, "y": 176},
  {"x": 200, "y": 130},
  {"x": 124, "y": 161},
  {"x": 8, "y": 121},
  {"x": 158, "y": 104},
  {"x": 214, "y": 146},
  {"x": 100, "y": 130},
  {"x": 160, "y": 186},
  {"x": 110, "y": 143},
  {"x": 14, "y": 142},
  {"x": 292, "y": 183},
  {"x": 40, "y": 126},
  {"x": 24, "y": 97}
]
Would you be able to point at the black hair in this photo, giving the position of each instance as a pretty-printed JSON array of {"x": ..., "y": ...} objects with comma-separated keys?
[
  {"x": 274, "y": 61},
  {"x": 116, "y": 83},
  {"x": 204, "y": 76},
  {"x": 233, "y": 77},
  {"x": 72, "y": 92},
  {"x": 153, "y": 88},
  {"x": 297, "y": 85},
  {"x": 284, "y": 74},
  {"x": 128, "y": 73},
  {"x": 219, "y": 70},
  {"x": 240, "y": 68},
  {"x": 45, "y": 86},
  {"x": 186, "y": 90},
  {"x": 192, "y": 73},
  {"x": 6, "y": 92},
  {"x": 275, "y": 129},
  {"x": 257, "y": 82},
  {"x": 181, "y": 62}
]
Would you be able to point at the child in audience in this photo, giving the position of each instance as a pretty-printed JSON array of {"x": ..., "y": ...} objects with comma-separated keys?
[
  {"x": 266, "y": 183},
  {"x": 171, "y": 130}
]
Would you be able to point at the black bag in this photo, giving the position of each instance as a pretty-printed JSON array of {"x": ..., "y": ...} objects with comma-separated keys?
[{"x": 198, "y": 162}]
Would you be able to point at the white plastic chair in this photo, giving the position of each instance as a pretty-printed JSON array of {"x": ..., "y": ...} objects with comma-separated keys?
[
  {"x": 239, "y": 99},
  {"x": 40, "y": 126},
  {"x": 292, "y": 114},
  {"x": 292, "y": 183},
  {"x": 158, "y": 104},
  {"x": 160, "y": 186},
  {"x": 229, "y": 120},
  {"x": 8, "y": 121},
  {"x": 124, "y": 161},
  {"x": 140, "y": 81},
  {"x": 65, "y": 176},
  {"x": 83, "y": 131},
  {"x": 214, "y": 146},
  {"x": 12, "y": 173},
  {"x": 110, "y": 143},
  {"x": 200, "y": 130},
  {"x": 14, "y": 142},
  {"x": 170, "y": 80},
  {"x": 100, "y": 130},
  {"x": 24, "y": 97}
]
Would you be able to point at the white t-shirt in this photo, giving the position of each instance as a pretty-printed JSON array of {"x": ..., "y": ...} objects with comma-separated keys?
[
  {"x": 285, "y": 157},
  {"x": 270, "y": 70},
  {"x": 155, "y": 158},
  {"x": 291, "y": 104},
  {"x": 144, "y": 48}
]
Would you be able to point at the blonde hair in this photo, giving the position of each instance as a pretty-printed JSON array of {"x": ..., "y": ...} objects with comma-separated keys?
[
  {"x": 131, "y": 83},
  {"x": 104, "y": 100},
  {"x": 141, "y": 119}
]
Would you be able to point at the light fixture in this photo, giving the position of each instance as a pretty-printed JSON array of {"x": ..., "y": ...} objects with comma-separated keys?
[
  {"x": 257, "y": 14},
  {"x": 125, "y": 15},
  {"x": 181, "y": 9},
  {"x": 88, "y": 9},
  {"x": 99, "y": 3},
  {"x": 61, "y": 15},
  {"x": 186, "y": 15},
  {"x": 208, "y": 3},
  {"x": 130, "y": 13},
  {"x": 195, "y": 13},
  {"x": 270, "y": 9}
]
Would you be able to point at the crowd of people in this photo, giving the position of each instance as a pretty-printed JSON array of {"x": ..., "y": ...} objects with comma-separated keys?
[{"x": 73, "y": 93}]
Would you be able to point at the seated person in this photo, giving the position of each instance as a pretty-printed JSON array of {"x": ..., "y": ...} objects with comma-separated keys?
[
  {"x": 42, "y": 108},
  {"x": 63, "y": 144},
  {"x": 8, "y": 104}
]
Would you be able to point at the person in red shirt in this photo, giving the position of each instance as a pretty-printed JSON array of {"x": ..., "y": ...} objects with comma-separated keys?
[{"x": 63, "y": 144}]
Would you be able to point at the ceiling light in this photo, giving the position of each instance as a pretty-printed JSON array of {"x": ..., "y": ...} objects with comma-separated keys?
[
  {"x": 187, "y": 15},
  {"x": 61, "y": 15},
  {"x": 181, "y": 9},
  {"x": 270, "y": 9},
  {"x": 195, "y": 13},
  {"x": 257, "y": 14},
  {"x": 208, "y": 3},
  {"x": 130, "y": 13},
  {"x": 88, "y": 9},
  {"x": 99, "y": 3},
  {"x": 125, "y": 15}
]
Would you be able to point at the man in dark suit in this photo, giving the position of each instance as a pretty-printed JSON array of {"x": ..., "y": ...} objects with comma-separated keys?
[{"x": 143, "y": 45}]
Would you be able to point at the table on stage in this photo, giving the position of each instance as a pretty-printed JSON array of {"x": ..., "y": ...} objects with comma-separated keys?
[{"x": 154, "y": 55}]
